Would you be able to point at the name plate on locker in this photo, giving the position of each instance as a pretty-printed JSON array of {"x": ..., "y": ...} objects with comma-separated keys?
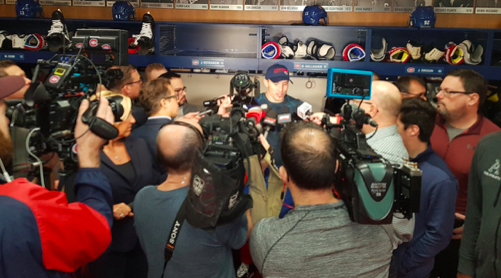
[
  {"x": 12, "y": 56},
  {"x": 311, "y": 66},
  {"x": 207, "y": 62},
  {"x": 425, "y": 70}
]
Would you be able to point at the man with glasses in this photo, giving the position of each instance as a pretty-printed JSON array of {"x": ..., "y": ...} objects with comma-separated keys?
[
  {"x": 130, "y": 85},
  {"x": 161, "y": 104},
  {"x": 459, "y": 127},
  {"x": 411, "y": 86},
  {"x": 178, "y": 86}
]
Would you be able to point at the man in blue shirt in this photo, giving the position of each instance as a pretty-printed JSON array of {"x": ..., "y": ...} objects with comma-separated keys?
[
  {"x": 198, "y": 253},
  {"x": 439, "y": 188},
  {"x": 277, "y": 83}
]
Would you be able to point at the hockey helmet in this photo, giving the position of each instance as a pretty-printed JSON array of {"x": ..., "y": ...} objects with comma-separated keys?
[
  {"x": 123, "y": 11},
  {"x": 28, "y": 8},
  {"x": 313, "y": 14},
  {"x": 423, "y": 17}
]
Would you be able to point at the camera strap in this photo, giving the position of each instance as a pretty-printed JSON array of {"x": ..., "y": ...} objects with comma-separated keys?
[{"x": 173, "y": 235}]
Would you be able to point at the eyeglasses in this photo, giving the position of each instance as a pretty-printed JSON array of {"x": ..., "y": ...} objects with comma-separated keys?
[
  {"x": 447, "y": 92},
  {"x": 178, "y": 91},
  {"x": 173, "y": 96},
  {"x": 140, "y": 81}
]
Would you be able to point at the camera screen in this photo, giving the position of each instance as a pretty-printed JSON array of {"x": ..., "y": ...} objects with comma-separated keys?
[{"x": 352, "y": 84}]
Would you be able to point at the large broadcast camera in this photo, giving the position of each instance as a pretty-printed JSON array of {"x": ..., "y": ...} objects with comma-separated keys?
[
  {"x": 44, "y": 121},
  {"x": 216, "y": 195},
  {"x": 371, "y": 187}
]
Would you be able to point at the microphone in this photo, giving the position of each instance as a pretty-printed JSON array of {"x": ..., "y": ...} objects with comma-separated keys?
[
  {"x": 284, "y": 117},
  {"x": 304, "y": 110},
  {"x": 257, "y": 113},
  {"x": 269, "y": 122},
  {"x": 358, "y": 114}
]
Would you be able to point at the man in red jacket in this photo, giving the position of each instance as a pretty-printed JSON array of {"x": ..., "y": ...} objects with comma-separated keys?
[
  {"x": 459, "y": 127},
  {"x": 41, "y": 235}
]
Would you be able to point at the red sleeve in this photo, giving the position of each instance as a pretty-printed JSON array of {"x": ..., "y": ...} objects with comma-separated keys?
[{"x": 71, "y": 234}]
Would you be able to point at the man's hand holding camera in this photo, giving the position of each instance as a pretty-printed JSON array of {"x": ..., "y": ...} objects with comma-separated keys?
[{"x": 89, "y": 144}]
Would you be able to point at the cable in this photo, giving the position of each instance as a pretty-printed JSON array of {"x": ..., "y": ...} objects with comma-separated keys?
[
  {"x": 375, "y": 131},
  {"x": 40, "y": 164},
  {"x": 4, "y": 172}
]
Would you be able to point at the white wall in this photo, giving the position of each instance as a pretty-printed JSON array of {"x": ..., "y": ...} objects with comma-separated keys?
[{"x": 202, "y": 87}]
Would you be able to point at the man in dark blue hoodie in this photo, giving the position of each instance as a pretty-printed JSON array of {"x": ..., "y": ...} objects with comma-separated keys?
[{"x": 439, "y": 187}]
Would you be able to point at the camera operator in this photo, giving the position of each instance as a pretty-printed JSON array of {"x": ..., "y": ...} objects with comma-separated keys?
[
  {"x": 41, "y": 235},
  {"x": 331, "y": 245},
  {"x": 439, "y": 188},
  {"x": 383, "y": 107},
  {"x": 198, "y": 253}
]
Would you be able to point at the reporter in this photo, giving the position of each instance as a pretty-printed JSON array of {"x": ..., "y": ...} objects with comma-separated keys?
[{"x": 41, "y": 235}]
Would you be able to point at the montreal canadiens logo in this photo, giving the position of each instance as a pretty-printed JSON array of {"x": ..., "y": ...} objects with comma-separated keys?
[
  {"x": 74, "y": 149},
  {"x": 79, "y": 45},
  {"x": 297, "y": 66},
  {"x": 411, "y": 70},
  {"x": 93, "y": 42},
  {"x": 106, "y": 47},
  {"x": 195, "y": 62},
  {"x": 54, "y": 79}
]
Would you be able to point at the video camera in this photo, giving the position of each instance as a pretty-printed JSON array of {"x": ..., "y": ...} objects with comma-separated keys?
[
  {"x": 44, "y": 122},
  {"x": 216, "y": 195},
  {"x": 371, "y": 187}
]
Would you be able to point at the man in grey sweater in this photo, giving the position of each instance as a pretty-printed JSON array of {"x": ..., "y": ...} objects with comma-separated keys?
[{"x": 317, "y": 238}]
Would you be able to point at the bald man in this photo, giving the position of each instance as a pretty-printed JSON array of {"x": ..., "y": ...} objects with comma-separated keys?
[
  {"x": 198, "y": 253},
  {"x": 383, "y": 107}
]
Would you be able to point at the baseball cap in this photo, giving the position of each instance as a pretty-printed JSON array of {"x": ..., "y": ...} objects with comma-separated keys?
[
  {"x": 277, "y": 73},
  {"x": 10, "y": 85}
]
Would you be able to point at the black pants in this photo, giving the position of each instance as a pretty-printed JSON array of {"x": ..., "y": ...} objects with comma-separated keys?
[
  {"x": 446, "y": 262},
  {"x": 131, "y": 264}
]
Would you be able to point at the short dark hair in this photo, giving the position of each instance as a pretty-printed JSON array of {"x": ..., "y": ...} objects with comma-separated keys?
[
  {"x": 127, "y": 71},
  {"x": 170, "y": 75},
  {"x": 183, "y": 159},
  {"x": 5, "y": 64},
  {"x": 152, "y": 92},
  {"x": 472, "y": 82},
  {"x": 152, "y": 67},
  {"x": 416, "y": 111},
  {"x": 310, "y": 165},
  {"x": 404, "y": 82}
]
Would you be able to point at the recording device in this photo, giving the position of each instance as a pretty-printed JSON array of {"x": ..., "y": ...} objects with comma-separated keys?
[
  {"x": 46, "y": 119},
  {"x": 205, "y": 113},
  {"x": 103, "y": 46},
  {"x": 349, "y": 84},
  {"x": 371, "y": 187}
]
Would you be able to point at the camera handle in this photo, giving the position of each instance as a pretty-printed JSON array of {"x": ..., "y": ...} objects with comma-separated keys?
[{"x": 97, "y": 125}]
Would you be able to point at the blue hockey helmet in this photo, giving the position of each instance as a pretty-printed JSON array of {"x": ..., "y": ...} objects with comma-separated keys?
[
  {"x": 28, "y": 8},
  {"x": 423, "y": 17},
  {"x": 313, "y": 14},
  {"x": 123, "y": 10}
]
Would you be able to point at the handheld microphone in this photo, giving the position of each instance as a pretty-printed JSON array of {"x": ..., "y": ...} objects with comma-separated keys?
[
  {"x": 358, "y": 114},
  {"x": 304, "y": 110},
  {"x": 284, "y": 116},
  {"x": 269, "y": 122}
]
